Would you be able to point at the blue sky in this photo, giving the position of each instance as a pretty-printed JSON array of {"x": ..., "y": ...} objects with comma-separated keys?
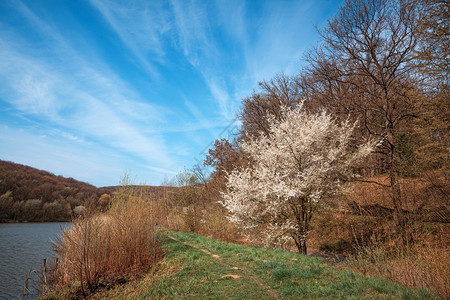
[{"x": 93, "y": 89}]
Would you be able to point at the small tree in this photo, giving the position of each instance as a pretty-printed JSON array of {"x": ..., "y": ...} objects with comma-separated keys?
[
  {"x": 363, "y": 68},
  {"x": 303, "y": 157},
  {"x": 187, "y": 198}
]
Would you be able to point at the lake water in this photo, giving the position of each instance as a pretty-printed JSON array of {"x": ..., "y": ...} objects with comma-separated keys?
[{"x": 22, "y": 248}]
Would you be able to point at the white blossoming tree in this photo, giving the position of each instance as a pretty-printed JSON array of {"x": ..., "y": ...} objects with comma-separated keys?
[{"x": 303, "y": 157}]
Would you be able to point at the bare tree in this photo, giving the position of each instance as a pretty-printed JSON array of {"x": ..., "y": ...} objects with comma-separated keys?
[
  {"x": 282, "y": 90},
  {"x": 363, "y": 68},
  {"x": 201, "y": 173}
]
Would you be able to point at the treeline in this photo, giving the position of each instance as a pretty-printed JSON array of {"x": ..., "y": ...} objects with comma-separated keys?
[{"x": 31, "y": 195}]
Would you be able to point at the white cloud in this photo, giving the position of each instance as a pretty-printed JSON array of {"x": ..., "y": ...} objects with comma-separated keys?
[
  {"x": 144, "y": 26},
  {"x": 259, "y": 45},
  {"x": 194, "y": 31},
  {"x": 162, "y": 170}
]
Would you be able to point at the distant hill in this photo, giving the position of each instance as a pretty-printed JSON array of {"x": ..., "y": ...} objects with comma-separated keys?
[{"x": 31, "y": 195}]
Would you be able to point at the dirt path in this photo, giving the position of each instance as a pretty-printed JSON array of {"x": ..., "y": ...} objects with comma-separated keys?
[
  {"x": 249, "y": 274},
  {"x": 196, "y": 247}
]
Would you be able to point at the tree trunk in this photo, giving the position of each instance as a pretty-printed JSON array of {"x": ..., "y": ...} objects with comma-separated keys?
[
  {"x": 302, "y": 247},
  {"x": 302, "y": 212},
  {"x": 399, "y": 217},
  {"x": 300, "y": 242}
]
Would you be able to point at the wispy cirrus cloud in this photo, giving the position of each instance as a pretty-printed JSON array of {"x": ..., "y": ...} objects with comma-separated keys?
[
  {"x": 198, "y": 39},
  {"x": 194, "y": 32},
  {"x": 231, "y": 46},
  {"x": 234, "y": 45},
  {"x": 90, "y": 102},
  {"x": 145, "y": 27}
]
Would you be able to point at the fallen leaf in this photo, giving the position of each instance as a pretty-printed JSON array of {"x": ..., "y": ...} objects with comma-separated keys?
[{"x": 231, "y": 275}]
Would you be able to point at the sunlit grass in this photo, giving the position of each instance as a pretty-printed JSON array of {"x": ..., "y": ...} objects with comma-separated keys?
[{"x": 243, "y": 272}]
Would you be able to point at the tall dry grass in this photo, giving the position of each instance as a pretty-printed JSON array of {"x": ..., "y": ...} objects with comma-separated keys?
[
  {"x": 105, "y": 248},
  {"x": 209, "y": 221},
  {"x": 420, "y": 263},
  {"x": 418, "y": 256},
  {"x": 214, "y": 223}
]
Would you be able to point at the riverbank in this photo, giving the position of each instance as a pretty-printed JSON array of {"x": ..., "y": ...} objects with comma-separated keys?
[{"x": 198, "y": 267}]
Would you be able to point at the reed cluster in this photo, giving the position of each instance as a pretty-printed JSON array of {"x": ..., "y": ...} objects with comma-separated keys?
[{"x": 101, "y": 249}]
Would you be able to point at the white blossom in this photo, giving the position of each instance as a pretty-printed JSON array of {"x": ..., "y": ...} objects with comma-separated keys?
[{"x": 301, "y": 159}]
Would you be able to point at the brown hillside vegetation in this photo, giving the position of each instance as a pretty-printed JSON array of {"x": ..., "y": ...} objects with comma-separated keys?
[
  {"x": 426, "y": 198},
  {"x": 360, "y": 225},
  {"x": 32, "y": 195}
]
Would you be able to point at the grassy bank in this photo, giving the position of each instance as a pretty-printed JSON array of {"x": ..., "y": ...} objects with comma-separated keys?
[{"x": 196, "y": 267}]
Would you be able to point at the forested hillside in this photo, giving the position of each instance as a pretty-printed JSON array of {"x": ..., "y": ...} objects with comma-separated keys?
[{"x": 32, "y": 195}]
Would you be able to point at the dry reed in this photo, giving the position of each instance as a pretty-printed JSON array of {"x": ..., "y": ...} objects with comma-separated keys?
[
  {"x": 101, "y": 249},
  {"x": 420, "y": 263}
]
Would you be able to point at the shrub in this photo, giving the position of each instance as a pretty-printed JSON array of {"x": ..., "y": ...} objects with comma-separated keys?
[
  {"x": 214, "y": 223},
  {"x": 101, "y": 249}
]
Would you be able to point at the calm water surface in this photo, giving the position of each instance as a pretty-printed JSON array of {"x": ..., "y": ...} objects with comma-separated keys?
[{"x": 22, "y": 248}]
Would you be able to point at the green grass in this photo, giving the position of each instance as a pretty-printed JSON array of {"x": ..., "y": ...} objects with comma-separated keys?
[{"x": 189, "y": 273}]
